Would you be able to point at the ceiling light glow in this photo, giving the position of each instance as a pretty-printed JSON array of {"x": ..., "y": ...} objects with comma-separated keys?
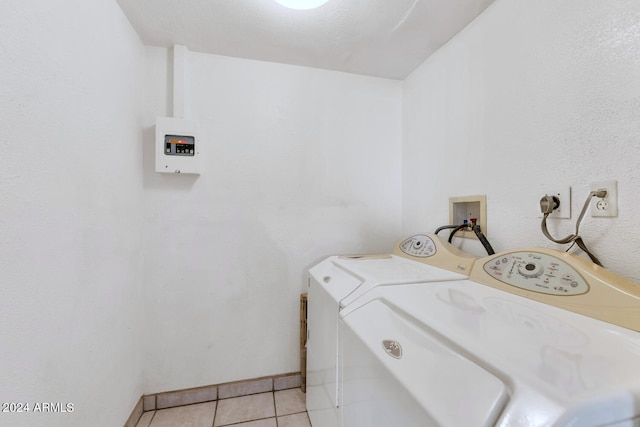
[{"x": 301, "y": 4}]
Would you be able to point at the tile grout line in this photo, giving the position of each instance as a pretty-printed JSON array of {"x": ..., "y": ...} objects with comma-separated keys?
[
  {"x": 215, "y": 411},
  {"x": 275, "y": 417},
  {"x": 177, "y": 393},
  {"x": 284, "y": 381},
  {"x": 275, "y": 408},
  {"x": 246, "y": 421}
]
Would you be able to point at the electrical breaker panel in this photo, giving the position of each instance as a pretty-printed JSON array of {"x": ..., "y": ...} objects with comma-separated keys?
[{"x": 177, "y": 146}]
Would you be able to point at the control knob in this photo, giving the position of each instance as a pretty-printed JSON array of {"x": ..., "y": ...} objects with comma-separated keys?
[{"x": 531, "y": 270}]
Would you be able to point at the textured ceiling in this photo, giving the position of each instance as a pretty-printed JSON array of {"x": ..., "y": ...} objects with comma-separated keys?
[{"x": 383, "y": 38}]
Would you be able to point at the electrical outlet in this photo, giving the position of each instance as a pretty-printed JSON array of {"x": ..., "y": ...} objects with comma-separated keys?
[
  {"x": 606, "y": 206},
  {"x": 564, "y": 195}
]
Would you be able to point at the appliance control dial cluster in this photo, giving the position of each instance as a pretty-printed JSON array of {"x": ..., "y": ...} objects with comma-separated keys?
[
  {"x": 537, "y": 272},
  {"x": 420, "y": 246}
]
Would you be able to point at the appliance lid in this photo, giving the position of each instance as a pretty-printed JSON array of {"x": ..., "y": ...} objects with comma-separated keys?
[
  {"x": 451, "y": 390},
  {"x": 388, "y": 270},
  {"x": 562, "y": 366}
]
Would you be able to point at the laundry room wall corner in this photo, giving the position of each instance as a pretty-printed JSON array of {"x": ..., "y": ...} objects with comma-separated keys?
[
  {"x": 71, "y": 214},
  {"x": 528, "y": 96},
  {"x": 298, "y": 164}
]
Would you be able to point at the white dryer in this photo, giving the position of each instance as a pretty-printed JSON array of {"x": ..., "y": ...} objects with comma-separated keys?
[
  {"x": 535, "y": 337},
  {"x": 339, "y": 281}
]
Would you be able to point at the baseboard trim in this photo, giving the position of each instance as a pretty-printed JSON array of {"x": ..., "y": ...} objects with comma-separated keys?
[
  {"x": 170, "y": 399},
  {"x": 135, "y": 414}
]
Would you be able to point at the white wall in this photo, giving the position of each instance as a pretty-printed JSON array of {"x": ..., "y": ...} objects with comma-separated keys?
[
  {"x": 299, "y": 164},
  {"x": 532, "y": 94},
  {"x": 70, "y": 211}
]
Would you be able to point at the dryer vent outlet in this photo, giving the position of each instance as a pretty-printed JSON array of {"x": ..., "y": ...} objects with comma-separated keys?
[{"x": 468, "y": 209}]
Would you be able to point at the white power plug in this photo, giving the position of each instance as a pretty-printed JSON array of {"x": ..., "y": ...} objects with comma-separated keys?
[
  {"x": 604, "y": 204},
  {"x": 549, "y": 203}
]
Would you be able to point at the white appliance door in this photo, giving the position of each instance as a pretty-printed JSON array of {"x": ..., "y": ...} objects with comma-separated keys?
[{"x": 396, "y": 373}]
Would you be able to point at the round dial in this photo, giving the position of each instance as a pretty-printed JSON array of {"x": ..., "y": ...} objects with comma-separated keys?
[
  {"x": 419, "y": 246},
  {"x": 531, "y": 269},
  {"x": 537, "y": 272}
]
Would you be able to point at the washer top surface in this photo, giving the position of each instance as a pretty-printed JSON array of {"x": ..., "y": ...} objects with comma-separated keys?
[
  {"x": 422, "y": 258},
  {"x": 347, "y": 278},
  {"x": 561, "y": 368}
]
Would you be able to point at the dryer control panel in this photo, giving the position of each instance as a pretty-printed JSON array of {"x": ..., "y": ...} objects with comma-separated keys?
[
  {"x": 537, "y": 272},
  {"x": 420, "y": 246},
  {"x": 428, "y": 248}
]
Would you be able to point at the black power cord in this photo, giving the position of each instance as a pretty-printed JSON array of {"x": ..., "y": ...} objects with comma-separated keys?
[
  {"x": 455, "y": 230},
  {"x": 483, "y": 239},
  {"x": 474, "y": 227},
  {"x": 445, "y": 227}
]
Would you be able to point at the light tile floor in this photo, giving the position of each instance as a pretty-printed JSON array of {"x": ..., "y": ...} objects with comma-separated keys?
[{"x": 284, "y": 408}]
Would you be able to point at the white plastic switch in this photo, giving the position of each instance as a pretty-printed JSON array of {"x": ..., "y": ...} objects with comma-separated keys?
[{"x": 606, "y": 206}]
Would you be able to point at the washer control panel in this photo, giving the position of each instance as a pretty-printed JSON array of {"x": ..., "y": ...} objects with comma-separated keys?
[
  {"x": 420, "y": 246},
  {"x": 537, "y": 272}
]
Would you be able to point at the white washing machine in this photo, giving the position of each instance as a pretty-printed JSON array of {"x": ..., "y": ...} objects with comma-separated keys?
[
  {"x": 339, "y": 281},
  {"x": 534, "y": 337}
]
